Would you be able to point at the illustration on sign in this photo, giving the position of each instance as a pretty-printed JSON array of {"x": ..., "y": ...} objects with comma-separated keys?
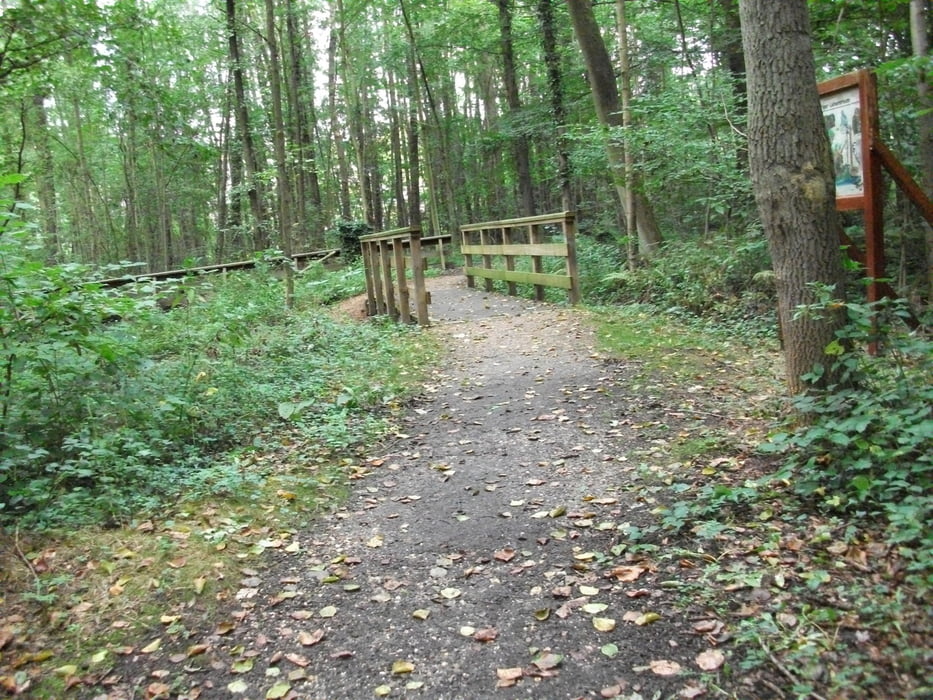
[{"x": 842, "y": 116}]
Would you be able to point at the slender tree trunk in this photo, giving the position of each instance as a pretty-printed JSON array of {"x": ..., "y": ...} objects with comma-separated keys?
[
  {"x": 395, "y": 143},
  {"x": 628, "y": 188},
  {"x": 919, "y": 34},
  {"x": 296, "y": 124},
  {"x": 336, "y": 132},
  {"x": 608, "y": 110},
  {"x": 244, "y": 131},
  {"x": 414, "y": 135},
  {"x": 556, "y": 89},
  {"x": 282, "y": 186},
  {"x": 792, "y": 176},
  {"x": 519, "y": 141},
  {"x": 45, "y": 179}
]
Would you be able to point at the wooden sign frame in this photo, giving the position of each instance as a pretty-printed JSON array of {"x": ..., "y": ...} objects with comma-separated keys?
[{"x": 850, "y": 108}]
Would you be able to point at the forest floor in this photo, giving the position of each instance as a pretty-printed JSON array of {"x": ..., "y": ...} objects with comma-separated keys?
[{"x": 490, "y": 548}]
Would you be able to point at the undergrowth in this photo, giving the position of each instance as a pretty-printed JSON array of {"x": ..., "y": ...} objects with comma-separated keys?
[{"x": 111, "y": 407}]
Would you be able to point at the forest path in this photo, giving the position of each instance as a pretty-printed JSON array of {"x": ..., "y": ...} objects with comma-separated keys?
[{"x": 482, "y": 554}]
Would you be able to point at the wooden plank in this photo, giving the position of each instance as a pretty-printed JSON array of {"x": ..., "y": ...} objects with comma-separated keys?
[
  {"x": 542, "y": 219},
  {"x": 554, "y": 250},
  {"x": 206, "y": 269},
  {"x": 904, "y": 180},
  {"x": 536, "y": 278}
]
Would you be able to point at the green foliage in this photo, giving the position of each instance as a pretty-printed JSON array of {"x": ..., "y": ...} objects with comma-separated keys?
[
  {"x": 111, "y": 406},
  {"x": 346, "y": 235},
  {"x": 864, "y": 444},
  {"x": 723, "y": 280}
]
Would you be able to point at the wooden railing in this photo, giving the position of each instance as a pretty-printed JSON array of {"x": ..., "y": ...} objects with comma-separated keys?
[
  {"x": 299, "y": 258},
  {"x": 497, "y": 245},
  {"x": 387, "y": 257}
]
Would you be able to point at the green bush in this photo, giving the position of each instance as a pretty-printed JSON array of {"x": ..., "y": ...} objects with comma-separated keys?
[
  {"x": 863, "y": 445},
  {"x": 111, "y": 406}
]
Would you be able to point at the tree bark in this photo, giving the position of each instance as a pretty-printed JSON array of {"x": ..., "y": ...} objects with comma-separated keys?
[
  {"x": 558, "y": 108},
  {"x": 792, "y": 176},
  {"x": 283, "y": 189},
  {"x": 919, "y": 34},
  {"x": 605, "y": 93},
  {"x": 45, "y": 179},
  {"x": 336, "y": 132},
  {"x": 510, "y": 82},
  {"x": 250, "y": 163}
]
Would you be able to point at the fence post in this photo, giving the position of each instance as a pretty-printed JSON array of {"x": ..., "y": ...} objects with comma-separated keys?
[{"x": 573, "y": 271}]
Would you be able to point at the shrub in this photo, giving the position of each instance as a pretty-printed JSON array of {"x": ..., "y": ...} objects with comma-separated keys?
[{"x": 863, "y": 445}]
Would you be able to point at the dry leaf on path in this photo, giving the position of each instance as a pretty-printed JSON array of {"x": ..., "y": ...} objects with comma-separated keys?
[
  {"x": 664, "y": 667},
  {"x": 710, "y": 660}
]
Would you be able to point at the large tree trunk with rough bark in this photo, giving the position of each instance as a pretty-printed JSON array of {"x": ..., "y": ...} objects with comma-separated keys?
[
  {"x": 606, "y": 99},
  {"x": 792, "y": 176}
]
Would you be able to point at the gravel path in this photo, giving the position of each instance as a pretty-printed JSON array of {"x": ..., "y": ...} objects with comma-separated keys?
[{"x": 482, "y": 556}]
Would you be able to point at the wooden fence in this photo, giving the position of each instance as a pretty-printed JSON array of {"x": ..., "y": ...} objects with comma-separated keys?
[
  {"x": 387, "y": 258},
  {"x": 497, "y": 245},
  {"x": 299, "y": 258}
]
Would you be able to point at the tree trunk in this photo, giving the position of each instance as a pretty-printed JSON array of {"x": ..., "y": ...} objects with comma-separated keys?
[
  {"x": 629, "y": 161},
  {"x": 792, "y": 176},
  {"x": 519, "y": 141},
  {"x": 608, "y": 110},
  {"x": 250, "y": 163},
  {"x": 336, "y": 132},
  {"x": 919, "y": 34},
  {"x": 556, "y": 89},
  {"x": 283, "y": 189},
  {"x": 45, "y": 179}
]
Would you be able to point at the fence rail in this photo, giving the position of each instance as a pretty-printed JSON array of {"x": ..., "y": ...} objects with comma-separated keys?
[
  {"x": 314, "y": 255},
  {"x": 497, "y": 245}
]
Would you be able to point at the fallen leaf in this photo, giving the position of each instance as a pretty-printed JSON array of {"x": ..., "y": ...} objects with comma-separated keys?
[
  {"x": 309, "y": 639},
  {"x": 298, "y": 659},
  {"x": 328, "y": 611},
  {"x": 152, "y": 646},
  {"x": 626, "y": 573},
  {"x": 663, "y": 667},
  {"x": 509, "y": 674},
  {"x": 450, "y": 593},
  {"x": 467, "y": 631},
  {"x": 382, "y": 690},
  {"x": 402, "y": 667},
  {"x": 157, "y": 690},
  {"x": 647, "y": 619},
  {"x": 588, "y": 590},
  {"x": 604, "y": 624},
  {"x": 487, "y": 634},
  {"x": 197, "y": 649},
  {"x": 710, "y": 660},
  {"x": 547, "y": 661},
  {"x": 375, "y": 541},
  {"x": 242, "y": 666},
  {"x": 507, "y": 554},
  {"x": 66, "y": 670},
  {"x": 237, "y": 687},
  {"x": 594, "y": 608},
  {"x": 421, "y": 614},
  {"x": 279, "y": 690},
  {"x": 609, "y": 650}
]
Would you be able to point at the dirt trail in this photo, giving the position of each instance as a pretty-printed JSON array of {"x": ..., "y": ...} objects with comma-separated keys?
[{"x": 475, "y": 558}]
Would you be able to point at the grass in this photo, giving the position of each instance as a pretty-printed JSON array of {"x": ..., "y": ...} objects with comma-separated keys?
[{"x": 294, "y": 396}]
